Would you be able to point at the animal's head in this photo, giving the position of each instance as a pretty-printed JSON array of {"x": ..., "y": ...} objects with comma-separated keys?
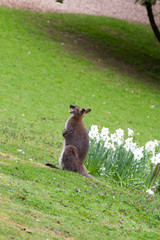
[{"x": 79, "y": 112}]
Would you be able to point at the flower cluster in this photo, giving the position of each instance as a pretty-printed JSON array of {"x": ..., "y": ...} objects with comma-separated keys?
[
  {"x": 149, "y": 191},
  {"x": 116, "y": 155},
  {"x": 116, "y": 139},
  {"x": 156, "y": 158}
]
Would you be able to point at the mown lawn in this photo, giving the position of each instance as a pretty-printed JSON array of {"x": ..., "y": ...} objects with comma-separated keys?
[{"x": 47, "y": 62}]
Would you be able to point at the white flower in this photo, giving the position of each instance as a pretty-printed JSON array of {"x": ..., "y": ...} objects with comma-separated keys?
[
  {"x": 153, "y": 159},
  {"x": 104, "y": 133},
  {"x": 129, "y": 140},
  {"x": 133, "y": 147},
  {"x": 102, "y": 168},
  {"x": 97, "y": 138},
  {"x": 120, "y": 133},
  {"x": 94, "y": 128},
  {"x": 118, "y": 136},
  {"x": 114, "y": 137},
  {"x": 129, "y": 144},
  {"x": 113, "y": 147},
  {"x": 156, "y": 143},
  {"x": 156, "y": 159},
  {"x": 138, "y": 153},
  {"x": 130, "y": 132},
  {"x": 142, "y": 149},
  {"x": 150, "y": 146},
  {"x": 94, "y": 132},
  {"x": 150, "y": 192},
  {"x": 120, "y": 141},
  {"x": 109, "y": 145},
  {"x": 127, "y": 147}
]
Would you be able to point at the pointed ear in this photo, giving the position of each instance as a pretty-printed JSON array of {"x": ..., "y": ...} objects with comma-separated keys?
[
  {"x": 71, "y": 106},
  {"x": 82, "y": 111},
  {"x": 87, "y": 110}
]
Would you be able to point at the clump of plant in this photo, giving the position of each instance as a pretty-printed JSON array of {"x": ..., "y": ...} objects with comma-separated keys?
[{"x": 113, "y": 155}]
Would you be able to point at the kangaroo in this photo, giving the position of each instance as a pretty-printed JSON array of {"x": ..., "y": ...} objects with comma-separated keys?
[{"x": 76, "y": 142}]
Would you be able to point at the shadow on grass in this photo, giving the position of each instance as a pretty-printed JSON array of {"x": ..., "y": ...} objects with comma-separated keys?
[
  {"x": 127, "y": 47},
  {"x": 130, "y": 48}
]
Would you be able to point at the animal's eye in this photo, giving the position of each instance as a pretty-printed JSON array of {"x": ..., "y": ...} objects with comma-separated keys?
[{"x": 82, "y": 111}]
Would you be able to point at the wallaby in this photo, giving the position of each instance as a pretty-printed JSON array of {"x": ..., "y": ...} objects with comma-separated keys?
[{"x": 76, "y": 142}]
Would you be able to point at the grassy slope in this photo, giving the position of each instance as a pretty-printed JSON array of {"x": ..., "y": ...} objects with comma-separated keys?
[
  {"x": 40, "y": 203},
  {"x": 47, "y": 62}
]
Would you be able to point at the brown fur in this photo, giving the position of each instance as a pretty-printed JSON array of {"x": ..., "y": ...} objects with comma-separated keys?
[{"x": 76, "y": 143}]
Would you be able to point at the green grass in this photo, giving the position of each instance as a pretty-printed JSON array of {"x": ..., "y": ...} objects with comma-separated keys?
[
  {"x": 40, "y": 203},
  {"x": 47, "y": 62}
]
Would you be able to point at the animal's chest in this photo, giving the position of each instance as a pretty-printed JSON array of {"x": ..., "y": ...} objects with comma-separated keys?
[{"x": 78, "y": 137}]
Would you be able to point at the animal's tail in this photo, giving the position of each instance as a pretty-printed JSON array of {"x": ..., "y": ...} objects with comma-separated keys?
[
  {"x": 82, "y": 172},
  {"x": 52, "y": 166}
]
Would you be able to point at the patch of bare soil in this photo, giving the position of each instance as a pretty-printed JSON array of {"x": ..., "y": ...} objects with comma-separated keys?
[{"x": 112, "y": 8}]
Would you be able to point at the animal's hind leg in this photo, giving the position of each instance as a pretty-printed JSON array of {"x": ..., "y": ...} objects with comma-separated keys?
[
  {"x": 70, "y": 159},
  {"x": 83, "y": 171}
]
